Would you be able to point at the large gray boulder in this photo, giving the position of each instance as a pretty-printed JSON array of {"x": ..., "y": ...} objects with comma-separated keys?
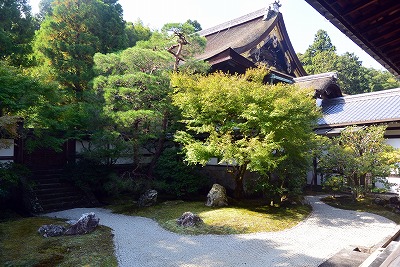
[
  {"x": 86, "y": 224},
  {"x": 189, "y": 219},
  {"x": 149, "y": 198},
  {"x": 217, "y": 196},
  {"x": 51, "y": 230}
]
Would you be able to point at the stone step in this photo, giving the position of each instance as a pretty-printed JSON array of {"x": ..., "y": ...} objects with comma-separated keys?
[
  {"x": 64, "y": 205},
  {"x": 55, "y": 193},
  {"x": 60, "y": 199},
  {"x": 43, "y": 186}
]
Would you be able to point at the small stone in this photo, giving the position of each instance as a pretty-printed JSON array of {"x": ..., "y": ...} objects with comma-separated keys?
[
  {"x": 51, "y": 230},
  {"x": 217, "y": 196},
  {"x": 394, "y": 200},
  {"x": 149, "y": 198},
  {"x": 189, "y": 219},
  {"x": 86, "y": 224}
]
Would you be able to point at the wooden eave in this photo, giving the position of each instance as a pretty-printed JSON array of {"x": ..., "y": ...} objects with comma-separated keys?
[
  {"x": 230, "y": 61},
  {"x": 374, "y": 25}
]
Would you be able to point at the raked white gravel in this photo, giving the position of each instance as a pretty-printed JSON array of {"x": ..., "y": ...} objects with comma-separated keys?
[{"x": 142, "y": 242}]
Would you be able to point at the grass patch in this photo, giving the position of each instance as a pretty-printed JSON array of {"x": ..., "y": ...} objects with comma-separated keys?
[
  {"x": 21, "y": 245},
  {"x": 241, "y": 218},
  {"x": 365, "y": 205}
]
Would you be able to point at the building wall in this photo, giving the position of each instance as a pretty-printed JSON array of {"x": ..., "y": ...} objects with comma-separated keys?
[{"x": 7, "y": 153}]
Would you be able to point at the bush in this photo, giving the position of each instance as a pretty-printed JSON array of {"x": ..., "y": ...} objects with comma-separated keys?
[
  {"x": 91, "y": 176},
  {"x": 106, "y": 180},
  {"x": 334, "y": 184},
  {"x": 10, "y": 176},
  {"x": 175, "y": 177}
]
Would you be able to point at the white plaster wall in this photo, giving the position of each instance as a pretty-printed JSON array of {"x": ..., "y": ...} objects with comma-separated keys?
[
  {"x": 394, "y": 142},
  {"x": 80, "y": 146},
  {"x": 395, "y": 184},
  {"x": 9, "y": 151},
  {"x": 310, "y": 178}
]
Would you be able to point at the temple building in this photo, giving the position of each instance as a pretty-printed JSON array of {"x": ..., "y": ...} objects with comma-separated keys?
[
  {"x": 261, "y": 37},
  {"x": 258, "y": 37}
]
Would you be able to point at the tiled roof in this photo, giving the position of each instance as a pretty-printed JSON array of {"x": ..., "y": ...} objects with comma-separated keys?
[
  {"x": 234, "y": 22},
  {"x": 381, "y": 106},
  {"x": 235, "y": 34},
  {"x": 324, "y": 84}
]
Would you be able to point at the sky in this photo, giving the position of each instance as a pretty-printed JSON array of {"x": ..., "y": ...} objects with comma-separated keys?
[{"x": 301, "y": 20}]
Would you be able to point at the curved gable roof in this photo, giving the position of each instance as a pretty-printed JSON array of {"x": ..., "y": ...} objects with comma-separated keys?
[{"x": 248, "y": 33}]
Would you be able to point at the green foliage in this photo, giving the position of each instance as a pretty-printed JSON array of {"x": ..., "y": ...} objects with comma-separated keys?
[
  {"x": 10, "y": 175},
  {"x": 17, "y": 28},
  {"x": 244, "y": 122},
  {"x": 168, "y": 38},
  {"x": 75, "y": 31},
  {"x": 361, "y": 156},
  {"x": 137, "y": 32},
  {"x": 19, "y": 92},
  {"x": 134, "y": 86},
  {"x": 21, "y": 100},
  {"x": 91, "y": 176},
  {"x": 334, "y": 184},
  {"x": 177, "y": 178},
  {"x": 353, "y": 78}
]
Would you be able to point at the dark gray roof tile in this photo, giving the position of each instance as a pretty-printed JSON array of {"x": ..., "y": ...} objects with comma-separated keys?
[{"x": 362, "y": 108}]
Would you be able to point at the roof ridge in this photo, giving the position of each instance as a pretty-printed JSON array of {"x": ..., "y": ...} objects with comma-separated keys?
[
  {"x": 234, "y": 22},
  {"x": 366, "y": 96},
  {"x": 312, "y": 77}
]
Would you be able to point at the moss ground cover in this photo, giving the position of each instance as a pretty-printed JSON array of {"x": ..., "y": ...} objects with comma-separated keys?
[
  {"x": 241, "y": 217},
  {"x": 365, "y": 204},
  {"x": 21, "y": 245}
]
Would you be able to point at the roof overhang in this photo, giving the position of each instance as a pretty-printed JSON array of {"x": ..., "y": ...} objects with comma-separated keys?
[
  {"x": 373, "y": 25},
  {"x": 229, "y": 61}
]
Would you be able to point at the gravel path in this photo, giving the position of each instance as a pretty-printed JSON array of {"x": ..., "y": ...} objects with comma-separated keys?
[{"x": 141, "y": 242}]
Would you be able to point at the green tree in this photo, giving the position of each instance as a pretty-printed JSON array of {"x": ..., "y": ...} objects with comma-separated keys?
[
  {"x": 17, "y": 28},
  {"x": 353, "y": 78},
  {"x": 181, "y": 41},
  {"x": 137, "y": 32},
  {"x": 45, "y": 9},
  {"x": 381, "y": 80},
  {"x": 322, "y": 43},
  {"x": 20, "y": 99},
  {"x": 75, "y": 31},
  {"x": 195, "y": 24},
  {"x": 245, "y": 123},
  {"x": 361, "y": 157},
  {"x": 134, "y": 86},
  {"x": 135, "y": 89}
]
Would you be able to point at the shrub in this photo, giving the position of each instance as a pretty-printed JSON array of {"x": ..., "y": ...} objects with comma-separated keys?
[
  {"x": 10, "y": 176},
  {"x": 175, "y": 177},
  {"x": 334, "y": 184}
]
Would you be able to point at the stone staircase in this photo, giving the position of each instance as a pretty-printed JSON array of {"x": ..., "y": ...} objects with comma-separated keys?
[
  {"x": 388, "y": 255},
  {"x": 50, "y": 192}
]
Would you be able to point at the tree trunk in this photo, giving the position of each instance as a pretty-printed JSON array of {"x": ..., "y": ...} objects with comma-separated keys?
[
  {"x": 136, "y": 159},
  {"x": 239, "y": 186},
  {"x": 160, "y": 146}
]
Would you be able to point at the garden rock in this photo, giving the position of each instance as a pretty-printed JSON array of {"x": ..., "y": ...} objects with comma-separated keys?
[
  {"x": 51, "y": 230},
  {"x": 149, "y": 198},
  {"x": 86, "y": 224},
  {"x": 189, "y": 219},
  {"x": 394, "y": 200},
  {"x": 217, "y": 196},
  {"x": 379, "y": 201}
]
